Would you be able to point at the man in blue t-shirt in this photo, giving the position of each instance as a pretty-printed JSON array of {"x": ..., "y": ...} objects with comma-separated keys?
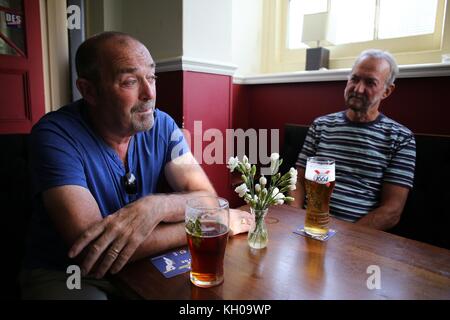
[
  {"x": 96, "y": 164},
  {"x": 374, "y": 155}
]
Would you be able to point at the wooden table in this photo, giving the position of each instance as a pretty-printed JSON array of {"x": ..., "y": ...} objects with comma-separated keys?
[{"x": 297, "y": 267}]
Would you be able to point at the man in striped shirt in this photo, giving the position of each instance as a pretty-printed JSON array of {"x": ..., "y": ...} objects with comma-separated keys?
[{"x": 374, "y": 155}]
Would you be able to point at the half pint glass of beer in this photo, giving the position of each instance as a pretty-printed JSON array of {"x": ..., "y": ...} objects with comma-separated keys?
[
  {"x": 207, "y": 226},
  {"x": 319, "y": 184}
]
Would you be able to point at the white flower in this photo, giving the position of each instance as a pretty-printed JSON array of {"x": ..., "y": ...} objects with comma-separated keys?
[
  {"x": 263, "y": 181},
  {"x": 241, "y": 190},
  {"x": 259, "y": 190},
  {"x": 274, "y": 156},
  {"x": 274, "y": 163},
  {"x": 275, "y": 191},
  {"x": 293, "y": 172},
  {"x": 233, "y": 163},
  {"x": 293, "y": 177},
  {"x": 279, "y": 196}
]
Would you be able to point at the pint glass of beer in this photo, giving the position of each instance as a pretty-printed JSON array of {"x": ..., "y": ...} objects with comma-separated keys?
[
  {"x": 207, "y": 227},
  {"x": 319, "y": 184}
]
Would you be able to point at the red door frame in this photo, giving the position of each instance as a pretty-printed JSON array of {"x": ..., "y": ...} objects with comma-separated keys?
[{"x": 31, "y": 69}]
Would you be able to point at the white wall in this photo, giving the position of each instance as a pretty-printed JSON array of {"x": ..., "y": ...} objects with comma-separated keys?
[
  {"x": 158, "y": 24},
  {"x": 247, "y": 36},
  {"x": 227, "y": 32},
  {"x": 95, "y": 17},
  {"x": 207, "y": 30},
  {"x": 113, "y": 15}
]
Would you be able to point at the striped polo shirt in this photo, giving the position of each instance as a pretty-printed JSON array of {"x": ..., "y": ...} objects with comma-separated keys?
[{"x": 366, "y": 156}]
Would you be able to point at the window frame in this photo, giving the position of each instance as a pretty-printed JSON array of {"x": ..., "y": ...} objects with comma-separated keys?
[{"x": 277, "y": 57}]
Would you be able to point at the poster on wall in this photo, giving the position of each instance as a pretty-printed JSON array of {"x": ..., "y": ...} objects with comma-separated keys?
[{"x": 13, "y": 20}]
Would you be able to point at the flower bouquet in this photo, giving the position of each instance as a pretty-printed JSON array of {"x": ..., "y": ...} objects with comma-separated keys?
[{"x": 260, "y": 193}]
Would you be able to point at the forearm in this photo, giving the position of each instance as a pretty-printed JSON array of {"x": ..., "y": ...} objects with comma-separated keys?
[
  {"x": 164, "y": 237},
  {"x": 299, "y": 193},
  {"x": 171, "y": 207},
  {"x": 298, "y": 196},
  {"x": 382, "y": 218}
]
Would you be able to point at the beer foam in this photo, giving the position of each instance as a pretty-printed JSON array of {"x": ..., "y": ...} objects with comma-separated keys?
[{"x": 320, "y": 173}]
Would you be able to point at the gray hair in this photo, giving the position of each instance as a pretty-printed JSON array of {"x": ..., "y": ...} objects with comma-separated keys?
[{"x": 380, "y": 54}]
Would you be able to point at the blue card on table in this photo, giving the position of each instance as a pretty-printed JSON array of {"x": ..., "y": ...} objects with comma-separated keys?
[
  {"x": 173, "y": 263},
  {"x": 301, "y": 231}
]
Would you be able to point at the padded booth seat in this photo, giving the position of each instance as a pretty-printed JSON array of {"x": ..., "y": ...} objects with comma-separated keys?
[
  {"x": 15, "y": 210},
  {"x": 426, "y": 216}
]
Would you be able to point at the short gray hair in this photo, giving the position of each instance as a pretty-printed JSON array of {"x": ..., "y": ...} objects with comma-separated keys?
[{"x": 380, "y": 54}]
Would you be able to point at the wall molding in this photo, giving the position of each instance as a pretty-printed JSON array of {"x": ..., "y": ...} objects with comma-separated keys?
[
  {"x": 190, "y": 64},
  {"x": 406, "y": 71}
]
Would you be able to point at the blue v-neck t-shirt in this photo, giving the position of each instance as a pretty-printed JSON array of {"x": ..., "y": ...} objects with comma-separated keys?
[{"x": 64, "y": 150}]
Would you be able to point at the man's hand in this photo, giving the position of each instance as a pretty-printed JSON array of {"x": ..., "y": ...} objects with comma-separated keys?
[
  {"x": 111, "y": 242},
  {"x": 240, "y": 221}
]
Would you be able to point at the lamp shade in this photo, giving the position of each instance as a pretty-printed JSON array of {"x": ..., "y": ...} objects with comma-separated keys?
[{"x": 315, "y": 27}]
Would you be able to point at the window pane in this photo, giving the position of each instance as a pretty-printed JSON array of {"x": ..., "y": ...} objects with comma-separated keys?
[
  {"x": 12, "y": 4},
  {"x": 295, "y": 24},
  {"x": 297, "y": 8},
  {"x": 6, "y": 49},
  {"x": 351, "y": 21},
  {"x": 315, "y": 6},
  {"x": 12, "y": 29},
  {"x": 403, "y": 18}
]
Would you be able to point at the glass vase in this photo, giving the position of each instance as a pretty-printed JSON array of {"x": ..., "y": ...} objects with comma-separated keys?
[{"x": 257, "y": 235}]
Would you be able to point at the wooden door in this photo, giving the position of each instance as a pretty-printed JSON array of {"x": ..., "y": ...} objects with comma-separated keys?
[{"x": 21, "y": 72}]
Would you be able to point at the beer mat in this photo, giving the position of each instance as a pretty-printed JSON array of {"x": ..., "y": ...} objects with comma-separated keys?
[
  {"x": 173, "y": 263},
  {"x": 301, "y": 231}
]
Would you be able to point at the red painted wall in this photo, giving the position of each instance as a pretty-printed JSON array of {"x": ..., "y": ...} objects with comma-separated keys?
[
  {"x": 240, "y": 107},
  {"x": 169, "y": 94},
  {"x": 421, "y": 104},
  {"x": 207, "y": 98},
  {"x": 195, "y": 96}
]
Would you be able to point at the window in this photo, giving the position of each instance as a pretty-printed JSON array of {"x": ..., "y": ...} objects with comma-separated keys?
[
  {"x": 351, "y": 21},
  {"x": 395, "y": 22},
  {"x": 414, "y": 31}
]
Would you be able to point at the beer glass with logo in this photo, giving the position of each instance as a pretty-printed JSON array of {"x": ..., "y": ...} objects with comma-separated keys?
[
  {"x": 207, "y": 227},
  {"x": 319, "y": 184}
]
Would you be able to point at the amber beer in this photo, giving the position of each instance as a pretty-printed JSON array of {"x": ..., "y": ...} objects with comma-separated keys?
[
  {"x": 207, "y": 228},
  {"x": 207, "y": 252},
  {"x": 319, "y": 184}
]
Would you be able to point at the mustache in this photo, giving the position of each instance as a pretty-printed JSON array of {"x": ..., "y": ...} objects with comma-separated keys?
[
  {"x": 143, "y": 107},
  {"x": 358, "y": 96}
]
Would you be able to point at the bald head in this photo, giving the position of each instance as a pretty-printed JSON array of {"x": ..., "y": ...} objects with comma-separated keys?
[{"x": 91, "y": 52}]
